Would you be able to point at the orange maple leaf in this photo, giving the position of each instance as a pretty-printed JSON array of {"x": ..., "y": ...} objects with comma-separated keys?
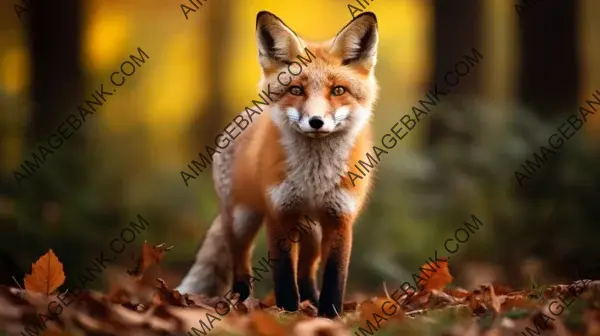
[
  {"x": 46, "y": 274},
  {"x": 439, "y": 279}
]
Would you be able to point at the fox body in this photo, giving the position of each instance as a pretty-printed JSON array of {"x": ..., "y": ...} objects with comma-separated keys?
[{"x": 290, "y": 163}]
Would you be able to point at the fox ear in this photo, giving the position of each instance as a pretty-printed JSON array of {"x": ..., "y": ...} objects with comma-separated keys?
[
  {"x": 356, "y": 43},
  {"x": 277, "y": 43}
]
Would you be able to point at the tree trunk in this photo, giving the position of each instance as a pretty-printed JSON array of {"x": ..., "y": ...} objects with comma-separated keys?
[
  {"x": 549, "y": 75},
  {"x": 457, "y": 29},
  {"x": 214, "y": 118},
  {"x": 548, "y": 84},
  {"x": 57, "y": 86}
]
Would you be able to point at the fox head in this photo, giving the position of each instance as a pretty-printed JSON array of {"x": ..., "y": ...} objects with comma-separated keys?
[{"x": 319, "y": 88}]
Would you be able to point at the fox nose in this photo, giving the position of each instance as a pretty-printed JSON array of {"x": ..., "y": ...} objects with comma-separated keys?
[{"x": 316, "y": 122}]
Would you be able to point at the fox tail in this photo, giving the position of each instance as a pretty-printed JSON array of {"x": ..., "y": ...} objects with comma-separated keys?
[{"x": 212, "y": 271}]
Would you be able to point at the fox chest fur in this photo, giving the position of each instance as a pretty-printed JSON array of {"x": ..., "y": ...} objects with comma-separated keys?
[
  {"x": 314, "y": 169},
  {"x": 270, "y": 169}
]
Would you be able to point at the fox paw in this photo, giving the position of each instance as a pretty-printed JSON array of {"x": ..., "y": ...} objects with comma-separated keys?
[{"x": 242, "y": 286}]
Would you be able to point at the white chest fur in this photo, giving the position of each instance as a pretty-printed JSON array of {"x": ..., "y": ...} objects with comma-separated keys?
[{"x": 314, "y": 168}]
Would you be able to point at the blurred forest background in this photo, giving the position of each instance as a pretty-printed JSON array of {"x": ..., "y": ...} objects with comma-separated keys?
[{"x": 126, "y": 159}]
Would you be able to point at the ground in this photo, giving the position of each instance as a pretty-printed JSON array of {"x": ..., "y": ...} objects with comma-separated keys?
[{"x": 139, "y": 303}]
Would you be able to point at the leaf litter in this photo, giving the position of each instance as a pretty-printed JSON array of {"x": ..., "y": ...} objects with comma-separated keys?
[{"x": 142, "y": 303}]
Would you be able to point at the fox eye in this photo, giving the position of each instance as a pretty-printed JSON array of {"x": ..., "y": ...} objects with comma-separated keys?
[
  {"x": 338, "y": 90},
  {"x": 296, "y": 90}
]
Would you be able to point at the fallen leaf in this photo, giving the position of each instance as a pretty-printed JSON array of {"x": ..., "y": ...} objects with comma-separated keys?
[
  {"x": 389, "y": 310},
  {"x": 263, "y": 323},
  {"x": 438, "y": 279},
  {"x": 307, "y": 308},
  {"x": 319, "y": 327},
  {"x": 476, "y": 304},
  {"x": 118, "y": 295},
  {"x": 269, "y": 300},
  {"x": 53, "y": 332},
  {"x": 128, "y": 291},
  {"x": 442, "y": 299},
  {"x": 46, "y": 274},
  {"x": 170, "y": 296},
  {"x": 516, "y": 301},
  {"x": 253, "y": 303},
  {"x": 350, "y": 306},
  {"x": 459, "y": 293},
  {"x": 502, "y": 290},
  {"x": 151, "y": 255},
  {"x": 495, "y": 300}
]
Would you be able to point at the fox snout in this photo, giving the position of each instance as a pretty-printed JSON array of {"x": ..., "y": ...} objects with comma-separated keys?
[{"x": 317, "y": 116}]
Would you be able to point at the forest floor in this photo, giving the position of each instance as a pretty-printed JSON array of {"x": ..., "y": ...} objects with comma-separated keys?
[{"x": 139, "y": 303}]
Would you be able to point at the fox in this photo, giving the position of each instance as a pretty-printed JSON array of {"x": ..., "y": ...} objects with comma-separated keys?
[{"x": 292, "y": 162}]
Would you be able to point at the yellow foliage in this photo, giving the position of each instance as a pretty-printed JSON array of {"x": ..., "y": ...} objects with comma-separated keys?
[
  {"x": 15, "y": 70},
  {"x": 105, "y": 37}
]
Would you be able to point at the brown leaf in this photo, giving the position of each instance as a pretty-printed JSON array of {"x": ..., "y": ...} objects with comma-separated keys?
[
  {"x": 241, "y": 308},
  {"x": 269, "y": 300},
  {"x": 502, "y": 290},
  {"x": 264, "y": 324},
  {"x": 170, "y": 296},
  {"x": 516, "y": 301},
  {"x": 459, "y": 293},
  {"x": 171, "y": 314},
  {"x": 350, "y": 306},
  {"x": 307, "y": 308},
  {"x": 476, "y": 304},
  {"x": 253, "y": 303},
  {"x": 51, "y": 331},
  {"x": 46, "y": 274},
  {"x": 16, "y": 311},
  {"x": 151, "y": 255},
  {"x": 319, "y": 327},
  {"x": 592, "y": 322},
  {"x": 128, "y": 291},
  {"x": 495, "y": 300},
  {"x": 439, "y": 279},
  {"x": 389, "y": 310},
  {"x": 440, "y": 299},
  {"x": 118, "y": 295}
]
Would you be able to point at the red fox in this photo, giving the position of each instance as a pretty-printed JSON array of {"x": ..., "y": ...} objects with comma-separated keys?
[{"x": 291, "y": 162}]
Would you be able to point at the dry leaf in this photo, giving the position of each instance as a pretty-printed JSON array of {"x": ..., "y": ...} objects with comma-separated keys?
[
  {"x": 350, "y": 306},
  {"x": 476, "y": 303},
  {"x": 372, "y": 310},
  {"x": 440, "y": 299},
  {"x": 150, "y": 255},
  {"x": 307, "y": 308},
  {"x": 496, "y": 302},
  {"x": 269, "y": 300},
  {"x": 263, "y": 323},
  {"x": 502, "y": 290},
  {"x": 50, "y": 331},
  {"x": 170, "y": 296},
  {"x": 516, "y": 301},
  {"x": 253, "y": 303},
  {"x": 459, "y": 293},
  {"x": 440, "y": 278},
  {"x": 319, "y": 327},
  {"x": 46, "y": 274}
]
